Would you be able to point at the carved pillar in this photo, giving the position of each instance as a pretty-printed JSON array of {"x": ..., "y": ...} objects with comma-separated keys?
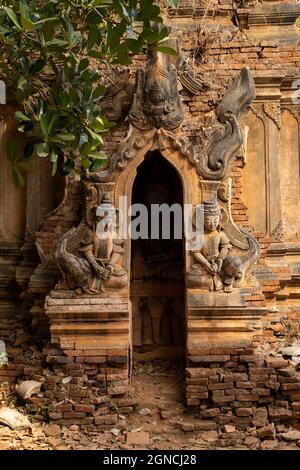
[
  {"x": 284, "y": 254},
  {"x": 267, "y": 109}
]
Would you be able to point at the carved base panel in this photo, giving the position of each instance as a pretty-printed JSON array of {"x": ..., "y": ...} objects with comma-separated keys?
[
  {"x": 92, "y": 332},
  {"x": 223, "y": 319}
]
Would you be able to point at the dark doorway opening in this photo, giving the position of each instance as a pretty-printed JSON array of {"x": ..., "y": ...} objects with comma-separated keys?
[{"x": 157, "y": 279}]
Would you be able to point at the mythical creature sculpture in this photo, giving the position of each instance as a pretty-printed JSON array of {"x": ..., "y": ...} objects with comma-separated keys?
[
  {"x": 90, "y": 257},
  {"x": 156, "y": 101},
  {"x": 214, "y": 269},
  {"x": 117, "y": 99}
]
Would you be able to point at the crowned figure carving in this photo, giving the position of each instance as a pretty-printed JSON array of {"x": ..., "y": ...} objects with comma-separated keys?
[
  {"x": 214, "y": 268},
  {"x": 91, "y": 255}
]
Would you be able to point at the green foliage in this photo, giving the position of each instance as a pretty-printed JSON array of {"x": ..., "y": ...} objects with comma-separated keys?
[
  {"x": 45, "y": 57},
  {"x": 44, "y": 412},
  {"x": 3, "y": 359}
]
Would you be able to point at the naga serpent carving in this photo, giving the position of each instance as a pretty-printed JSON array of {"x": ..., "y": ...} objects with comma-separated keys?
[
  {"x": 155, "y": 113},
  {"x": 213, "y": 160}
]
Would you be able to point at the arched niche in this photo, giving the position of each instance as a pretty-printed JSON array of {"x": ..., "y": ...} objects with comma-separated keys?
[
  {"x": 187, "y": 173},
  {"x": 157, "y": 284}
]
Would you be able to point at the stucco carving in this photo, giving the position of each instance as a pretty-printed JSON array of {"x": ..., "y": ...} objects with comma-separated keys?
[
  {"x": 155, "y": 117},
  {"x": 272, "y": 110},
  {"x": 91, "y": 263},
  {"x": 156, "y": 113},
  {"x": 227, "y": 252}
]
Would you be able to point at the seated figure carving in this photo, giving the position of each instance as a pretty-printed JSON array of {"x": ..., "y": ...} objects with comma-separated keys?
[
  {"x": 214, "y": 269},
  {"x": 97, "y": 263},
  {"x": 103, "y": 256}
]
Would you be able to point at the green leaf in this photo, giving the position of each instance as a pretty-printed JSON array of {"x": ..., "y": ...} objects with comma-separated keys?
[
  {"x": 68, "y": 166},
  {"x": 21, "y": 116},
  {"x": 114, "y": 34},
  {"x": 22, "y": 82},
  {"x": 56, "y": 43},
  {"x": 98, "y": 156},
  {"x": 167, "y": 50},
  {"x": 13, "y": 17},
  {"x": 96, "y": 54},
  {"x": 53, "y": 156},
  {"x": 104, "y": 3},
  {"x": 98, "y": 125},
  {"x": 95, "y": 37},
  {"x": 85, "y": 163},
  {"x": 24, "y": 9},
  {"x": 96, "y": 165},
  {"x": 84, "y": 63},
  {"x": 52, "y": 122},
  {"x": 97, "y": 138},
  {"x": 150, "y": 36},
  {"x": 133, "y": 45},
  {"x": 98, "y": 92},
  {"x": 27, "y": 24},
  {"x": 122, "y": 56},
  {"x": 149, "y": 12},
  {"x": 12, "y": 148},
  {"x": 42, "y": 150},
  {"x": 54, "y": 168},
  {"x": 62, "y": 137},
  {"x": 17, "y": 178},
  {"x": 37, "y": 66}
]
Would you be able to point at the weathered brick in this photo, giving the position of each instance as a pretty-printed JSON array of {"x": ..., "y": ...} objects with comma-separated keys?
[
  {"x": 211, "y": 358},
  {"x": 200, "y": 372},
  {"x": 74, "y": 414},
  {"x": 106, "y": 419},
  {"x": 85, "y": 408},
  {"x": 95, "y": 359},
  {"x": 244, "y": 411},
  {"x": 220, "y": 386}
]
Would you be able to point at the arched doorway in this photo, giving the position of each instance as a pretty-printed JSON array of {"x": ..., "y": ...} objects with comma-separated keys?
[{"x": 157, "y": 264}]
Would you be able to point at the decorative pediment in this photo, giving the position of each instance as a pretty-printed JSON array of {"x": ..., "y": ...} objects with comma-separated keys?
[{"x": 156, "y": 114}]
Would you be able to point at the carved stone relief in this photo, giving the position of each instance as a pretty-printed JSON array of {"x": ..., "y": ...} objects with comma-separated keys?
[
  {"x": 90, "y": 265},
  {"x": 226, "y": 252},
  {"x": 158, "y": 321},
  {"x": 91, "y": 261}
]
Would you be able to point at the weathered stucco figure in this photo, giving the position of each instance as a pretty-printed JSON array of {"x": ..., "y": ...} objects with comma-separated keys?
[
  {"x": 103, "y": 254},
  {"x": 214, "y": 269},
  {"x": 96, "y": 263}
]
